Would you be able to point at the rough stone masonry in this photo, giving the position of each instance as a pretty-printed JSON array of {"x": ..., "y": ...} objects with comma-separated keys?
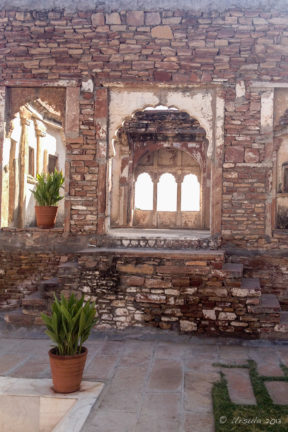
[{"x": 224, "y": 65}]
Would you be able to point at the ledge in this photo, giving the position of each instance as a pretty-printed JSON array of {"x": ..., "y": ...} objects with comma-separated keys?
[
  {"x": 31, "y": 230},
  {"x": 171, "y": 253}
]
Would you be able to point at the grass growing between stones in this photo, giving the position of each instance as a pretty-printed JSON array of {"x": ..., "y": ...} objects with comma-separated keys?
[{"x": 264, "y": 417}]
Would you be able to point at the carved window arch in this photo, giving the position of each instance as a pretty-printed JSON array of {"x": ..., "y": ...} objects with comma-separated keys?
[{"x": 158, "y": 142}]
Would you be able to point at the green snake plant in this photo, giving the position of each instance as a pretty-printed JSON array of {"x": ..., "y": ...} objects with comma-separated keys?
[
  {"x": 70, "y": 324},
  {"x": 47, "y": 192}
]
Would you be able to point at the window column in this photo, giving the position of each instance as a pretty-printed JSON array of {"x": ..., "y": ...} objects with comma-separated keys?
[
  {"x": 40, "y": 129},
  {"x": 155, "y": 179},
  {"x": 179, "y": 180}
]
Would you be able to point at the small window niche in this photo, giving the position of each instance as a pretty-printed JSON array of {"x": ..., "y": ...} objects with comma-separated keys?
[
  {"x": 52, "y": 163},
  {"x": 31, "y": 162}
]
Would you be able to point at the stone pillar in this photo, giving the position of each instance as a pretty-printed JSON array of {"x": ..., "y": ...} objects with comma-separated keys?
[
  {"x": 40, "y": 129},
  {"x": 101, "y": 117},
  {"x": 217, "y": 162},
  {"x": 72, "y": 126},
  {"x": 25, "y": 118},
  {"x": 2, "y": 130},
  {"x": 267, "y": 126}
]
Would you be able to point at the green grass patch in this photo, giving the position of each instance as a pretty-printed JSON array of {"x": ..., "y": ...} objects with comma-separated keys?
[{"x": 265, "y": 417}]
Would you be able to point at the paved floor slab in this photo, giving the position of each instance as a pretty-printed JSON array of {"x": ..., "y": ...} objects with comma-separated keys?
[
  {"x": 268, "y": 361},
  {"x": 166, "y": 375},
  {"x": 155, "y": 381},
  {"x": 278, "y": 391},
  {"x": 239, "y": 386}
]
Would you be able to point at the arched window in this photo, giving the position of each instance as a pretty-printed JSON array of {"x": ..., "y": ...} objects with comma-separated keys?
[
  {"x": 190, "y": 193},
  {"x": 144, "y": 192},
  {"x": 167, "y": 193}
]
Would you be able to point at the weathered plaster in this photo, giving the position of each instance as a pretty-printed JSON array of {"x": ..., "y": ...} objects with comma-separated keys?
[
  {"x": 240, "y": 89},
  {"x": 267, "y": 100},
  {"x": 124, "y": 102},
  {"x": 2, "y": 131}
]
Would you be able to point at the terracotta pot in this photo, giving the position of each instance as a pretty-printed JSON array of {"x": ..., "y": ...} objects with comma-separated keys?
[
  {"x": 46, "y": 216},
  {"x": 67, "y": 371}
]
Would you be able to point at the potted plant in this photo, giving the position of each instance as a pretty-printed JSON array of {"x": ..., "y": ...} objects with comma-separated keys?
[
  {"x": 47, "y": 195},
  {"x": 69, "y": 327}
]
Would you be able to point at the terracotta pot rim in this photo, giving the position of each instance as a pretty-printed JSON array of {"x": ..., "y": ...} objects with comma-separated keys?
[
  {"x": 52, "y": 354},
  {"x": 46, "y": 206}
]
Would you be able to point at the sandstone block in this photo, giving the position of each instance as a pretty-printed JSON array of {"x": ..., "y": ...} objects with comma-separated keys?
[
  {"x": 209, "y": 314},
  {"x": 98, "y": 19},
  {"x": 162, "y": 76},
  {"x": 113, "y": 18},
  {"x": 150, "y": 298},
  {"x": 140, "y": 269},
  {"x": 188, "y": 326},
  {"x": 152, "y": 18},
  {"x": 251, "y": 155},
  {"x": 172, "y": 292},
  {"x": 234, "y": 154},
  {"x": 216, "y": 292},
  {"x": 135, "y": 18},
  {"x": 162, "y": 32},
  {"x": 132, "y": 281},
  {"x": 227, "y": 316},
  {"x": 157, "y": 283},
  {"x": 121, "y": 312}
]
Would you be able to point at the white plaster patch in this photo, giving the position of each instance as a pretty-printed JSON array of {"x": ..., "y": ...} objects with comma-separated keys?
[
  {"x": 124, "y": 103},
  {"x": 240, "y": 89},
  {"x": 267, "y": 102},
  {"x": 220, "y": 112},
  {"x": 87, "y": 86}
]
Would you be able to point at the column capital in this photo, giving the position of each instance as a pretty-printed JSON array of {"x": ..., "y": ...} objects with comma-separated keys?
[{"x": 40, "y": 128}]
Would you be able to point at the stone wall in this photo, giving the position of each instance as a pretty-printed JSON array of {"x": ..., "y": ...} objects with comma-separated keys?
[
  {"x": 186, "y": 291},
  {"x": 235, "y": 58},
  {"x": 233, "y": 49},
  {"x": 271, "y": 269},
  {"x": 20, "y": 274}
]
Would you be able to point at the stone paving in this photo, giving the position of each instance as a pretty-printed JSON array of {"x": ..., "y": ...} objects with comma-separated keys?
[{"x": 155, "y": 381}]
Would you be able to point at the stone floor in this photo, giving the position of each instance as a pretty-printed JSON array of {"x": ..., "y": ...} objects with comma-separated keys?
[{"x": 154, "y": 381}]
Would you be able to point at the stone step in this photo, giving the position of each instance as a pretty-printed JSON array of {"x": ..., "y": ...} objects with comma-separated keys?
[
  {"x": 17, "y": 318},
  {"x": 269, "y": 304},
  {"x": 250, "y": 287},
  {"x": 34, "y": 301},
  {"x": 233, "y": 270},
  {"x": 282, "y": 327}
]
